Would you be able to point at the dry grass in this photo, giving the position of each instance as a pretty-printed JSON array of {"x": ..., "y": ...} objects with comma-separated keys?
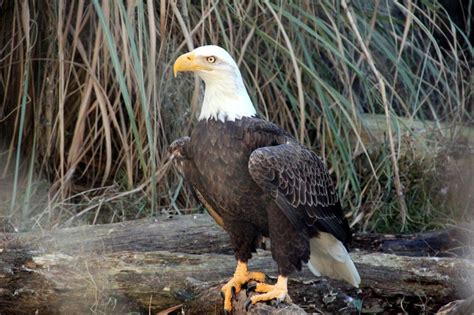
[{"x": 87, "y": 100}]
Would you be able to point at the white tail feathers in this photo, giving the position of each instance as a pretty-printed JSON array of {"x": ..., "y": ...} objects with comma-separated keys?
[{"x": 330, "y": 258}]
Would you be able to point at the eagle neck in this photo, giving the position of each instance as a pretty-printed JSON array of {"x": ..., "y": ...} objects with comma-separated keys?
[{"x": 226, "y": 99}]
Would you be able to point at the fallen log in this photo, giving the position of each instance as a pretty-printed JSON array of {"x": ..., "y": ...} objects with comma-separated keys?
[
  {"x": 154, "y": 265},
  {"x": 186, "y": 234},
  {"x": 457, "y": 241}
]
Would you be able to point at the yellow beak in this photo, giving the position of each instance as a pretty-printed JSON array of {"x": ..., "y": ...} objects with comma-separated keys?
[{"x": 188, "y": 62}]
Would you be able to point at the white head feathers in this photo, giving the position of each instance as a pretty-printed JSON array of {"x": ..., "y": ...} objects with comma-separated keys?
[{"x": 225, "y": 96}]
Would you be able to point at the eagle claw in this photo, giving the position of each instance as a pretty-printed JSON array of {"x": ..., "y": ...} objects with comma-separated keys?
[
  {"x": 247, "y": 304},
  {"x": 251, "y": 288},
  {"x": 234, "y": 295},
  {"x": 177, "y": 147},
  {"x": 277, "y": 302},
  {"x": 275, "y": 293},
  {"x": 241, "y": 277}
]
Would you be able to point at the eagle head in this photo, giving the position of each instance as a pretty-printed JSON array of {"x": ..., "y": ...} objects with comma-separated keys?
[
  {"x": 208, "y": 62},
  {"x": 225, "y": 96}
]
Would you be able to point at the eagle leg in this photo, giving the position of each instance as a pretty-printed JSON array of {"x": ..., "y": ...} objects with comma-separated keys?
[
  {"x": 241, "y": 277},
  {"x": 278, "y": 291}
]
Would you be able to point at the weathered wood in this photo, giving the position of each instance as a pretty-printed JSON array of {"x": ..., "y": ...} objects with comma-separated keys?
[
  {"x": 199, "y": 234},
  {"x": 188, "y": 234},
  {"x": 136, "y": 281},
  {"x": 375, "y": 131},
  {"x": 457, "y": 241},
  {"x": 144, "y": 265}
]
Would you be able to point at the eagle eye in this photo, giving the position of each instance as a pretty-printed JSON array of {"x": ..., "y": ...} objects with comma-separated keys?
[{"x": 211, "y": 59}]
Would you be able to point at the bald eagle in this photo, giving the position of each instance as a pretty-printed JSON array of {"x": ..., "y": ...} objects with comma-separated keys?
[{"x": 256, "y": 180}]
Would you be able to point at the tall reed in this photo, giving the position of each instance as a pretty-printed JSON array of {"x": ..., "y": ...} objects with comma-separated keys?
[{"x": 88, "y": 100}]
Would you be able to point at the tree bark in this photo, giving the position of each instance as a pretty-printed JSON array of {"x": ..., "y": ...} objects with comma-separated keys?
[{"x": 148, "y": 265}]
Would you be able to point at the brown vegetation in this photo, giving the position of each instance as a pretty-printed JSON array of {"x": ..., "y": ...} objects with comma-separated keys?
[{"x": 87, "y": 102}]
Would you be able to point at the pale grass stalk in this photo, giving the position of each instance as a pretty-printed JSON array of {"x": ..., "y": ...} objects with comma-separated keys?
[
  {"x": 189, "y": 43},
  {"x": 25, "y": 24},
  {"x": 61, "y": 98},
  {"x": 297, "y": 70},
  {"x": 381, "y": 86}
]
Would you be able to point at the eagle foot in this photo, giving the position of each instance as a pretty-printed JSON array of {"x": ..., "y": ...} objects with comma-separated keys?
[
  {"x": 241, "y": 277},
  {"x": 277, "y": 292}
]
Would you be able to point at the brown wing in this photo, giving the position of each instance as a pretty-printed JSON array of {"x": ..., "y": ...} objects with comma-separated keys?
[{"x": 300, "y": 184}]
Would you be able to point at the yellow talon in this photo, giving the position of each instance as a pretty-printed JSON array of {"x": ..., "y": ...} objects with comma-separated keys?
[
  {"x": 241, "y": 277},
  {"x": 279, "y": 291}
]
